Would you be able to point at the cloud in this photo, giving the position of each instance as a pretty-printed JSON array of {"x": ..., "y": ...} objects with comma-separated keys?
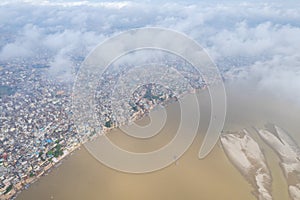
[
  {"x": 257, "y": 40},
  {"x": 278, "y": 76}
]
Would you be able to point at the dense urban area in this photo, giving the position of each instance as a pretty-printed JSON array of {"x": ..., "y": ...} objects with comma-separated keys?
[{"x": 37, "y": 130}]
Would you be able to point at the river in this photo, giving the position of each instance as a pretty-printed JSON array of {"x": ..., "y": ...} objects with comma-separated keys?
[{"x": 81, "y": 176}]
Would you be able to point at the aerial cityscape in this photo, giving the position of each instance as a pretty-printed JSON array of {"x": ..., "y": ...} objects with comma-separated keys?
[{"x": 57, "y": 104}]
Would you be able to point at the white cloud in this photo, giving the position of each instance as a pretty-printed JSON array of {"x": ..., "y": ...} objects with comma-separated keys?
[{"x": 260, "y": 38}]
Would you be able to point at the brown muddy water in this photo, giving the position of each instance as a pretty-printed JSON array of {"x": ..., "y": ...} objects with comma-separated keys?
[{"x": 81, "y": 176}]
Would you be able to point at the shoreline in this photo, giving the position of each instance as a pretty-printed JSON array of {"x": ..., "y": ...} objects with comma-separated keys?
[
  {"x": 279, "y": 188},
  {"x": 25, "y": 184}
]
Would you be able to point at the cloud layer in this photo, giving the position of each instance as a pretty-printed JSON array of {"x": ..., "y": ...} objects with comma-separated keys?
[{"x": 257, "y": 41}]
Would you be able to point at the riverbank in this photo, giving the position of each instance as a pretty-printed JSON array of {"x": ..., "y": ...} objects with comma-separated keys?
[
  {"x": 83, "y": 177},
  {"x": 25, "y": 184}
]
